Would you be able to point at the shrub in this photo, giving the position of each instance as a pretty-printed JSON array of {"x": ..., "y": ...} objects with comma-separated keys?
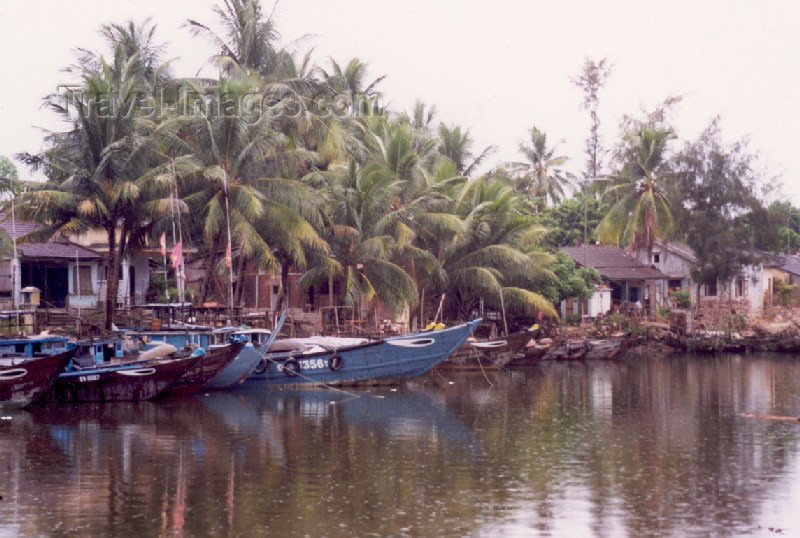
[
  {"x": 682, "y": 299},
  {"x": 784, "y": 292}
]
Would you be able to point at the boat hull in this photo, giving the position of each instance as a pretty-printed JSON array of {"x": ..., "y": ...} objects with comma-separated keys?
[
  {"x": 384, "y": 361},
  {"x": 198, "y": 375},
  {"x": 495, "y": 355},
  {"x": 127, "y": 382},
  {"x": 25, "y": 381},
  {"x": 238, "y": 370}
]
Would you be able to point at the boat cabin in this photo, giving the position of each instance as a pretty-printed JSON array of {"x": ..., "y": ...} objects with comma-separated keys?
[
  {"x": 29, "y": 346},
  {"x": 255, "y": 336},
  {"x": 99, "y": 351}
]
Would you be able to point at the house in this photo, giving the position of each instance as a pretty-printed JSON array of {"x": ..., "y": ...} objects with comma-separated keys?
[
  {"x": 786, "y": 269},
  {"x": 134, "y": 273},
  {"x": 70, "y": 272},
  {"x": 746, "y": 293},
  {"x": 65, "y": 272},
  {"x": 632, "y": 284}
]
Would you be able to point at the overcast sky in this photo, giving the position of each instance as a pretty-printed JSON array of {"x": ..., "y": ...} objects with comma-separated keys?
[{"x": 495, "y": 67}]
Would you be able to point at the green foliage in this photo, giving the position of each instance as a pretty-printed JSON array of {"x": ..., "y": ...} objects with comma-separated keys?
[
  {"x": 542, "y": 177},
  {"x": 664, "y": 311},
  {"x": 640, "y": 212},
  {"x": 682, "y": 298},
  {"x": 8, "y": 174},
  {"x": 736, "y": 322},
  {"x": 570, "y": 280},
  {"x": 714, "y": 193},
  {"x": 565, "y": 221},
  {"x": 784, "y": 292},
  {"x": 777, "y": 227}
]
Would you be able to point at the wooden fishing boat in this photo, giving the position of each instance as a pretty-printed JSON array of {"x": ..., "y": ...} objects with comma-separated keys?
[
  {"x": 598, "y": 349},
  {"x": 128, "y": 380},
  {"x": 487, "y": 354},
  {"x": 24, "y": 379},
  {"x": 258, "y": 343},
  {"x": 375, "y": 362},
  {"x": 211, "y": 363}
]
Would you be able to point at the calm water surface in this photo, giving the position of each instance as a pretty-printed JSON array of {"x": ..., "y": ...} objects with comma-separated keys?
[{"x": 636, "y": 447}]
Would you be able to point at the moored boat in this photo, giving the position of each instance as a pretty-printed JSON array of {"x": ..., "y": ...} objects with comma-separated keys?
[
  {"x": 211, "y": 363},
  {"x": 487, "y": 354},
  {"x": 128, "y": 380},
  {"x": 24, "y": 379},
  {"x": 376, "y": 362},
  {"x": 258, "y": 342}
]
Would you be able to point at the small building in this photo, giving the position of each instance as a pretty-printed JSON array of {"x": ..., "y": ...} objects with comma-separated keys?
[
  {"x": 747, "y": 293},
  {"x": 634, "y": 286},
  {"x": 598, "y": 304},
  {"x": 70, "y": 272}
]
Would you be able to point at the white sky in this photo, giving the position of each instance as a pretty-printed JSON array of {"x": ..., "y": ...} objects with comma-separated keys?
[{"x": 495, "y": 67}]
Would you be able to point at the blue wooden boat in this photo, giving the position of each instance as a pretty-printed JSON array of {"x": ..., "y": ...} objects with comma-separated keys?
[
  {"x": 29, "y": 346},
  {"x": 382, "y": 361},
  {"x": 258, "y": 344}
]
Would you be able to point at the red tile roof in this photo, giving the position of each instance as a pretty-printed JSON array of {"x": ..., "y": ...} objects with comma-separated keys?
[{"x": 612, "y": 263}]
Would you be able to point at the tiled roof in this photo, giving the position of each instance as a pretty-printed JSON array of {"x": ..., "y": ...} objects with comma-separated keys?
[
  {"x": 791, "y": 264},
  {"x": 612, "y": 263},
  {"x": 62, "y": 250},
  {"x": 16, "y": 229}
]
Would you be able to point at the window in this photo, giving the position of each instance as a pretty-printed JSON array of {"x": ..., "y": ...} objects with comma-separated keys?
[
  {"x": 711, "y": 290},
  {"x": 82, "y": 280},
  {"x": 656, "y": 258},
  {"x": 740, "y": 287},
  {"x": 674, "y": 284}
]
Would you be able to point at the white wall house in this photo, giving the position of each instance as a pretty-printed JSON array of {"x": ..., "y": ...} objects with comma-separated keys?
[
  {"x": 598, "y": 304},
  {"x": 677, "y": 260},
  {"x": 70, "y": 273}
]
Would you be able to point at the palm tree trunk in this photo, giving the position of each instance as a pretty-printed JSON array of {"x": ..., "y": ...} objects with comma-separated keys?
[
  {"x": 211, "y": 261},
  {"x": 112, "y": 274},
  {"x": 283, "y": 298},
  {"x": 240, "y": 270}
]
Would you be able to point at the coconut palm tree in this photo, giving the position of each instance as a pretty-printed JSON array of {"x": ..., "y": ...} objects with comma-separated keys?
[
  {"x": 240, "y": 188},
  {"x": 542, "y": 175},
  {"x": 96, "y": 169},
  {"x": 640, "y": 213},
  {"x": 482, "y": 245},
  {"x": 365, "y": 256},
  {"x": 456, "y": 145}
]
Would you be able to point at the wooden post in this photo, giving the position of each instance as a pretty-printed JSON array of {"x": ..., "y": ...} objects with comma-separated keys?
[{"x": 503, "y": 308}]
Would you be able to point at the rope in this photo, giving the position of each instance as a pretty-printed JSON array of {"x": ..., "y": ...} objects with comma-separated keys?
[
  {"x": 320, "y": 383},
  {"x": 478, "y": 358}
]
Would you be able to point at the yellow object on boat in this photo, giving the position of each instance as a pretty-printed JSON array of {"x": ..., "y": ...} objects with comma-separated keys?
[{"x": 434, "y": 326}]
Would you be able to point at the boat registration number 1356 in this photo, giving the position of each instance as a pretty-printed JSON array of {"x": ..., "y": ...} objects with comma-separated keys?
[{"x": 308, "y": 364}]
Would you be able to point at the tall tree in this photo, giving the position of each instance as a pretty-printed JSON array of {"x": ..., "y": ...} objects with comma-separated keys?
[
  {"x": 456, "y": 145},
  {"x": 591, "y": 80},
  {"x": 715, "y": 195},
  {"x": 640, "y": 213},
  {"x": 541, "y": 176},
  {"x": 96, "y": 170},
  {"x": 241, "y": 186}
]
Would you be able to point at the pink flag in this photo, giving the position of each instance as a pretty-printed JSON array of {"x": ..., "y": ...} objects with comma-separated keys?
[
  {"x": 228, "y": 257},
  {"x": 177, "y": 255},
  {"x": 163, "y": 244}
]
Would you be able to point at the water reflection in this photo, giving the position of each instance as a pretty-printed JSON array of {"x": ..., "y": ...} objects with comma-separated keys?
[{"x": 629, "y": 447}]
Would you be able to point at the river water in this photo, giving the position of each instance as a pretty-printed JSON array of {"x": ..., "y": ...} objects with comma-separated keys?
[{"x": 636, "y": 447}]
